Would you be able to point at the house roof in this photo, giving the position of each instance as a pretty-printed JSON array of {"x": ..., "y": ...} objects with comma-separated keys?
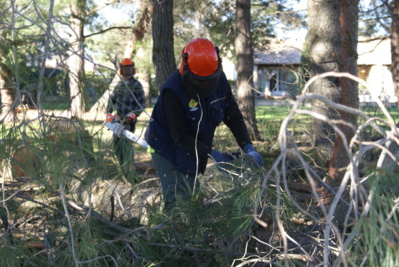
[
  {"x": 374, "y": 52},
  {"x": 370, "y": 52},
  {"x": 278, "y": 54}
]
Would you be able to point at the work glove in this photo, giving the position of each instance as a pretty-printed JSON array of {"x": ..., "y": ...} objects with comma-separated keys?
[
  {"x": 219, "y": 157},
  {"x": 130, "y": 122},
  {"x": 250, "y": 151},
  {"x": 131, "y": 118},
  {"x": 224, "y": 157},
  {"x": 111, "y": 118}
]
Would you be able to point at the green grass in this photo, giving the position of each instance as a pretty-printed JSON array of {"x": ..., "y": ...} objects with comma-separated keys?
[
  {"x": 272, "y": 112},
  {"x": 56, "y": 106},
  {"x": 269, "y": 120},
  {"x": 376, "y": 112}
]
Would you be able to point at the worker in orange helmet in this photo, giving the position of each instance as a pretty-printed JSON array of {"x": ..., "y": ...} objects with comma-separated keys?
[
  {"x": 193, "y": 101},
  {"x": 127, "y": 101}
]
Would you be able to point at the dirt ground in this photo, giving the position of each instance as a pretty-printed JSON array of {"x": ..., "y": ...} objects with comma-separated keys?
[{"x": 308, "y": 235}]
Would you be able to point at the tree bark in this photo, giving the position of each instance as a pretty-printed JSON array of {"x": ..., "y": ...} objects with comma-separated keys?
[
  {"x": 7, "y": 99},
  {"x": 245, "y": 65},
  {"x": 145, "y": 81},
  {"x": 395, "y": 46},
  {"x": 7, "y": 113},
  {"x": 323, "y": 44},
  {"x": 349, "y": 89},
  {"x": 147, "y": 9},
  {"x": 163, "y": 43},
  {"x": 139, "y": 31},
  {"x": 76, "y": 59}
]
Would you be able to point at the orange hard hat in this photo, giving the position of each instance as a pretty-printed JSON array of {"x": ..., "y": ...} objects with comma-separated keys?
[
  {"x": 200, "y": 68},
  {"x": 126, "y": 62},
  {"x": 201, "y": 57}
]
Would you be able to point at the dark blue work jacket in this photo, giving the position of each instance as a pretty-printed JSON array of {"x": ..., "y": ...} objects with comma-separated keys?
[{"x": 209, "y": 111}]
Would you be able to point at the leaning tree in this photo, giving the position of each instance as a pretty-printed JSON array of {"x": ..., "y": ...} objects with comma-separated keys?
[{"x": 138, "y": 31}]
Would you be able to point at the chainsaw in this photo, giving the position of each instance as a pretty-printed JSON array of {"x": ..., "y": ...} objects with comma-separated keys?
[{"x": 119, "y": 130}]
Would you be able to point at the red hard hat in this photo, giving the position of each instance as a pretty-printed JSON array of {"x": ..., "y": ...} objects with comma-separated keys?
[{"x": 200, "y": 57}]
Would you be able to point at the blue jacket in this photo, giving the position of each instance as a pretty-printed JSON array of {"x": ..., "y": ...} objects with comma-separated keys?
[{"x": 210, "y": 111}]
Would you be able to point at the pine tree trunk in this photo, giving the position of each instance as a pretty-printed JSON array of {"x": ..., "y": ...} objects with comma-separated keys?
[
  {"x": 349, "y": 88},
  {"x": 7, "y": 99},
  {"x": 6, "y": 93},
  {"x": 163, "y": 43},
  {"x": 395, "y": 46},
  {"x": 245, "y": 65},
  {"x": 323, "y": 42},
  {"x": 140, "y": 29},
  {"x": 145, "y": 81},
  {"x": 76, "y": 62}
]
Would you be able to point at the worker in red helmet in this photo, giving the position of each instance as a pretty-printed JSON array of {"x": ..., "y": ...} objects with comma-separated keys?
[
  {"x": 193, "y": 101},
  {"x": 125, "y": 104}
]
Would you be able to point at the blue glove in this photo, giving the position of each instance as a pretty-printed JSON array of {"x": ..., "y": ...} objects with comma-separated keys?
[
  {"x": 250, "y": 151},
  {"x": 219, "y": 157}
]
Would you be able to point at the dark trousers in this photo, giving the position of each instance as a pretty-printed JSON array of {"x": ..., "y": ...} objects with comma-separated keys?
[{"x": 175, "y": 184}]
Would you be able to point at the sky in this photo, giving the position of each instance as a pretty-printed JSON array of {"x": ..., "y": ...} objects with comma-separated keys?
[
  {"x": 115, "y": 14},
  {"x": 297, "y": 34},
  {"x": 121, "y": 13}
]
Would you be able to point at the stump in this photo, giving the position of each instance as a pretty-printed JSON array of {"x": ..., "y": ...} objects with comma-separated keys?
[
  {"x": 69, "y": 134},
  {"x": 25, "y": 161}
]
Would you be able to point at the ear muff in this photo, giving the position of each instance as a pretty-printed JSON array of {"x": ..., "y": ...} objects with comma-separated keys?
[
  {"x": 120, "y": 71},
  {"x": 183, "y": 64}
]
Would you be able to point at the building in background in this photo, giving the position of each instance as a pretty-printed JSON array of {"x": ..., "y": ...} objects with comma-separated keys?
[
  {"x": 277, "y": 70},
  {"x": 374, "y": 64}
]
